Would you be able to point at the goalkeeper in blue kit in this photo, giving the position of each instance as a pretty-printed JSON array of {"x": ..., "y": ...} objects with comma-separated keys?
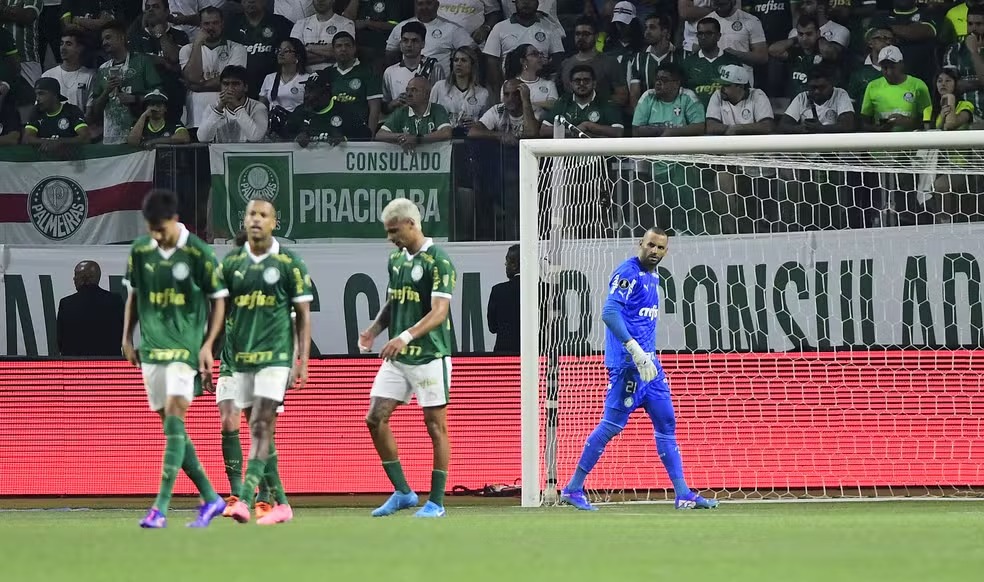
[{"x": 636, "y": 378}]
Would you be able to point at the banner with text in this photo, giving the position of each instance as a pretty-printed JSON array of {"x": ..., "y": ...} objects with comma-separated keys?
[
  {"x": 913, "y": 287},
  {"x": 93, "y": 198},
  {"x": 330, "y": 193}
]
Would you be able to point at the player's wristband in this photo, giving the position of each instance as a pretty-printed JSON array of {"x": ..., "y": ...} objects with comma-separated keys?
[{"x": 406, "y": 336}]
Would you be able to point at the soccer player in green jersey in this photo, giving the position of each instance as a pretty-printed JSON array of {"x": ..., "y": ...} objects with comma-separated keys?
[
  {"x": 265, "y": 281},
  {"x": 171, "y": 276},
  {"x": 231, "y": 417},
  {"x": 417, "y": 358}
]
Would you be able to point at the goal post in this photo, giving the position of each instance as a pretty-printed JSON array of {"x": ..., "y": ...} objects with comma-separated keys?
[{"x": 763, "y": 326}]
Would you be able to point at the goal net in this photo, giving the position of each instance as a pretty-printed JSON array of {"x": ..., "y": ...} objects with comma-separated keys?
[{"x": 820, "y": 312}]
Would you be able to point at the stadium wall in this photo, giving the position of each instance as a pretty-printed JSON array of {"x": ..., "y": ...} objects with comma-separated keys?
[{"x": 829, "y": 422}]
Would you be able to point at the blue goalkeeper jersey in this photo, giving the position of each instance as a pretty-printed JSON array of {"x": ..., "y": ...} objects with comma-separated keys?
[{"x": 635, "y": 292}]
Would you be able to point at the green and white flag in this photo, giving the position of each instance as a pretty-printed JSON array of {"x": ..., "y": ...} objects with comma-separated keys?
[{"x": 324, "y": 193}]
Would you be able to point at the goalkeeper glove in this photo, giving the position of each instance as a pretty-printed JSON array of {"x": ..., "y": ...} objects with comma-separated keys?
[{"x": 645, "y": 365}]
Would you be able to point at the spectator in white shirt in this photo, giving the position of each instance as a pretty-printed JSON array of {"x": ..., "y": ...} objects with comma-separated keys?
[
  {"x": 186, "y": 14},
  {"x": 691, "y": 12},
  {"x": 443, "y": 36},
  {"x": 834, "y": 38},
  {"x": 75, "y": 80},
  {"x": 822, "y": 108},
  {"x": 414, "y": 64},
  {"x": 293, "y": 10},
  {"x": 510, "y": 120},
  {"x": 285, "y": 88},
  {"x": 204, "y": 59},
  {"x": 738, "y": 109},
  {"x": 525, "y": 64},
  {"x": 526, "y": 26},
  {"x": 234, "y": 117},
  {"x": 318, "y": 30},
  {"x": 477, "y": 17},
  {"x": 461, "y": 94},
  {"x": 742, "y": 35}
]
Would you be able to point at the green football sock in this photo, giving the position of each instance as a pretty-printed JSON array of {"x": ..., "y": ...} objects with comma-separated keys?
[
  {"x": 232, "y": 455},
  {"x": 272, "y": 477},
  {"x": 193, "y": 468},
  {"x": 254, "y": 473},
  {"x": 174, "y": 451},
  {"x": 439, "y": 480},
  {"x": 394, "y": 470},
  {"x": 263, "y": 494}
]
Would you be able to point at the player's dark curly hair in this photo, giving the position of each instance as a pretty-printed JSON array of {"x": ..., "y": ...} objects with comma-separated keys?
[{"x": 159, "y": 205}]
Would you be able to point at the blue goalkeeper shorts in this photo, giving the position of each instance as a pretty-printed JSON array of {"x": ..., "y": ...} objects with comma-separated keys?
[{"x": 626, "y": 391}]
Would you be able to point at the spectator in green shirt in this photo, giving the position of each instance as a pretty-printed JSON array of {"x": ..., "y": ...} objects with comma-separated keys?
[
  {"x": 420, "y": 122},
  {"x": 119, "y": 85},
  {"x": 584, "y": 111},
  {"x": 55, "y": 124},
  {"x": 896, "y": 101},
  {"x": 666, "y": 111},
  {"x": 155, "y": 127},
  {"x": 869, "y": 70}
]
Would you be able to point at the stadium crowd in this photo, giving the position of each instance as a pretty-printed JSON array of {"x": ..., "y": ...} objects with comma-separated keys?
[{"x": 420, "y": 71}]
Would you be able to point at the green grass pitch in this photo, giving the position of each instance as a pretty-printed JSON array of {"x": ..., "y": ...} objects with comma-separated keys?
[{"x": 921, "y": 541}]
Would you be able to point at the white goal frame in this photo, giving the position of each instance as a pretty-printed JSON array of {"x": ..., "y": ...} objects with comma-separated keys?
[{"x": 530, "y": 152}]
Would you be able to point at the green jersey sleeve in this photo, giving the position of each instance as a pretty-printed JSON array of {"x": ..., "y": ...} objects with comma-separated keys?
[
  {"x": 695, "y": 111},
  {"x": 130, "y": 280},
  {"x": 610, "y": 116},
  {"x": 210, "y": 274},
  {"x": 444, "y": 277},
  {"x": 299, "y": 288},
  {"x": 867, "y": 104},
  {"x": 440, "y": 115},
  {"x": 923, "y": 98}
]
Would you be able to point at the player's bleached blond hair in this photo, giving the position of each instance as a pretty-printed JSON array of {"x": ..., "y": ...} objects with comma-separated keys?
[{"x": 401, "y": 209}]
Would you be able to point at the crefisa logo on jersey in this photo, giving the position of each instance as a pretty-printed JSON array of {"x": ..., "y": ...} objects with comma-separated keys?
[
  {"x": 650, "y": 312},
  {"x": 57, "y": 206},
  {"x": 180, "y": 271},
  {"x": 258, "y": 182},
  {"x": 271, "y": 275}
]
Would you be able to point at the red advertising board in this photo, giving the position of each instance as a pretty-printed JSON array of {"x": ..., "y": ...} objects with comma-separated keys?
[{"x": 834, "y": 421}]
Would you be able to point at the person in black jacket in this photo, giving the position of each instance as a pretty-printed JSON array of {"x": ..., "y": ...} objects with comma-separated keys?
[
  {"x": 503, "y": 311},
  {"x": 90, "y": 322}
]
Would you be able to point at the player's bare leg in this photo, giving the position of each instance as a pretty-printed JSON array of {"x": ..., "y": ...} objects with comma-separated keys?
[
  {"x": 232, "y": 450},
  {"x": 281, "y": 512},
  {"x": 436, "y": 419},
  {"x": 377, "y": 419},
  {"x": 261, "y": 418}
]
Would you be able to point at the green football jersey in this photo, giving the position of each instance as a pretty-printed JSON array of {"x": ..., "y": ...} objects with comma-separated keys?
[
  {"x": 353, "y": 89},
  {"x": 704, "y": 76},
  {"x": 172, "y": 290},
  {"x": 259, "y": 333},
  {"x": 66, "y": 122},
  {"x": 413, "y": 281}
]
